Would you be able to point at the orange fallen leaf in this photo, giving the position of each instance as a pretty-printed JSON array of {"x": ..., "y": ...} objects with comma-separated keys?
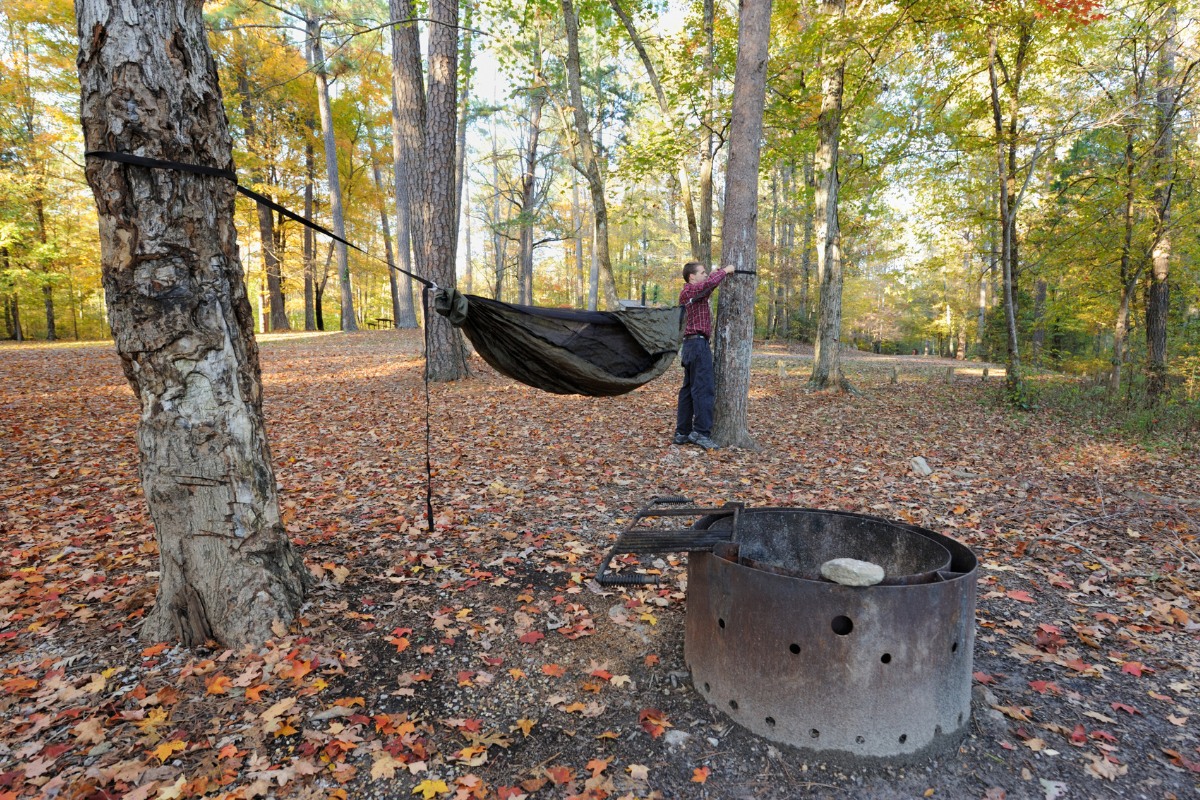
[{"x": 700, "y": 774}]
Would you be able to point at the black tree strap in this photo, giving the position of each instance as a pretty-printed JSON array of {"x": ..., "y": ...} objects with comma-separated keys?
[{"x": 229, "y": 175}]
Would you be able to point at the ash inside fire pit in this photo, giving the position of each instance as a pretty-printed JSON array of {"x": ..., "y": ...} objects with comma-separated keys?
[{"x": 851, "y": 673}]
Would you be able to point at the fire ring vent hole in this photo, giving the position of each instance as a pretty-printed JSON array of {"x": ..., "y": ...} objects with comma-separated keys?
[
  {"x": 771, "y": 721},
  {"x": 795, "y": 648},
  {"x": 814, "y": 733},
  {"x": 903, "y": 738},
  {"x": 859, "y": 740},
  {"x": 954, "y": 647},
  {"x": 886, "y": 658},
  {"x": 960, "y": 718},
  {"x": 721, "y": 623},
  {"x": 707, "y": 688},
  {"x": 842, "y": 625},
  {"x": 733, "y": 704}
]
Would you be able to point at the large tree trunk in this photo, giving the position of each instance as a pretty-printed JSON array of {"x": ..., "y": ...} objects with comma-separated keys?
[
  {"x": 183, "y": 326},
  {"x": 445, "y": 359},
  {"x": 1163, "y": 168},
  {"x": 827, "y": 361},
  {"x": 590, "y": 166},
  {"x": 406, "y": 315},
  {"x": 349, "y": 323},
  {"x": 734, "y": 330}
]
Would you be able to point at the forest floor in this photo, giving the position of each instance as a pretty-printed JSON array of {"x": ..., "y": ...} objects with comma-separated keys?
[{"x": 482, "y": 661}]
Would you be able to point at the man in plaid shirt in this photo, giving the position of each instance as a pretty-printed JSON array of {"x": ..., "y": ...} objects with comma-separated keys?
[{"x": 693, "y": 419}]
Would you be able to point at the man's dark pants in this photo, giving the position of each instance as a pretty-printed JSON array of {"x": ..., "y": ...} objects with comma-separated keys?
[{"x": 697, "y": 394}]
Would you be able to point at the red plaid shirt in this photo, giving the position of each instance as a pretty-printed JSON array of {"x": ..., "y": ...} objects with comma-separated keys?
[{"x": 699, "y": 315}]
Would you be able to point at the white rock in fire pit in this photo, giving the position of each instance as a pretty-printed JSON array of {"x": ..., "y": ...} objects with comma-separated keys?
[{"x": 852, "y": 572}]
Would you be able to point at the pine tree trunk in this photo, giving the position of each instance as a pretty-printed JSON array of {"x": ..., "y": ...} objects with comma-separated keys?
[
  {"x": 183, "y": 326},
  {"x": 445, "y": 359},
  {"x": 464, "y": 110},
  {"x": 590, "y": 162},
  {"x": 734, "y": 329},
  {"x": 827, "y": 361}
]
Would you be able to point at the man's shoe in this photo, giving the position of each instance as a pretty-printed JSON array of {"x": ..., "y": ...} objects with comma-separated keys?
[
  {"x": 700, "y": 440},
  {"x": 681, "y": 438}
]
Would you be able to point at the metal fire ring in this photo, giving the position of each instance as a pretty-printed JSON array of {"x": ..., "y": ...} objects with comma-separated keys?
[{"x": 849, "y": 673}]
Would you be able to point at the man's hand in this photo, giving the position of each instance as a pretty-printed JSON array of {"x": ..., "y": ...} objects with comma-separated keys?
[{"x": 728, "y": 269}]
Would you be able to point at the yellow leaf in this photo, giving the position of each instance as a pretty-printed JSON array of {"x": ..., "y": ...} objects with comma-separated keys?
[
  {"x": 430, "y": 789},
  {"x": 526, "y": 725},
  {"x": 167, "y": 749},
  {"x": 516, "y": 674},
  {"x": 385, "y": 766}
]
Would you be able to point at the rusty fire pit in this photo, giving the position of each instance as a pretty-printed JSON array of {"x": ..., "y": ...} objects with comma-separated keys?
[
  {"x": 867, "y": 672},
  {"x": 848, "y": 673}
]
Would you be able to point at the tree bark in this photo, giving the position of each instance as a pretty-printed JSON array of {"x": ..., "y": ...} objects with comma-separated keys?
[
  {"x": 734, "y": 329},
  {"x": 393, "y": 276},
  {"x": 183, "y": 326},
  {"x": 406, "y": 315},
  {"x": 590, "y": 166},
  {"x": 349, "y": 322},
  {"x": 827, "y": 361},
  {"x": 464, "y": 110},
  {"x": 445, "y": 358}
]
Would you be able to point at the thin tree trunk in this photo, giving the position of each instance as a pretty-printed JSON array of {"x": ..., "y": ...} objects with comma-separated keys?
[
  {"x": 393, "y": 282},
  {"x": 1158, "y": 299},
  {"x": 827, "y": 361},
  {"x": 577, "y": 227},
  {"x": 734, "y": 329},
  {"x": 464, "y": 108},
  {"x": 590, "y": 166},
  {"x": 310, "y": 247},
  {"x": 810, "y": 212},
  {"x": 537, "y": 99},
  {"x": 183, "y": 326},
  {"x": 408, "y": 135},
  {"x": 1014, "y": 381},
  {"x": 685, "y": 181},
  {"x": 708, "y": 140},
  {"x": 349, "y": 323}
]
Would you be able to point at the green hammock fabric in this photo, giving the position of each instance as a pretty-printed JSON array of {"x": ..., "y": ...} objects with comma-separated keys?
[{"x": 563, "y": 351}]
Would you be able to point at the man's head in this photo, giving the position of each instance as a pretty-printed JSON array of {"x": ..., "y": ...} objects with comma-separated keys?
[{"x": 693, "y": 269}]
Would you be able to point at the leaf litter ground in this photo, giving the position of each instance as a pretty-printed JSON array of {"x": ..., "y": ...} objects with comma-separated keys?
[{"x": 481, "y": 661}]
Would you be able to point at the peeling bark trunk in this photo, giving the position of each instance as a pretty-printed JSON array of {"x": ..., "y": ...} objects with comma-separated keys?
[
  {"x": 183, "y": 326},
  {"x": 734, "y": 329}
]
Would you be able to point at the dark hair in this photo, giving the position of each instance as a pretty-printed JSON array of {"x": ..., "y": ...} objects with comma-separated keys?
[{"x": 690, "y": 269}]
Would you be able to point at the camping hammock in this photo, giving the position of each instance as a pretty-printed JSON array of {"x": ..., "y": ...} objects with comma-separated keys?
[
  {"x": 564, "y": 351},
  {"x": 594, "y": 353}
]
